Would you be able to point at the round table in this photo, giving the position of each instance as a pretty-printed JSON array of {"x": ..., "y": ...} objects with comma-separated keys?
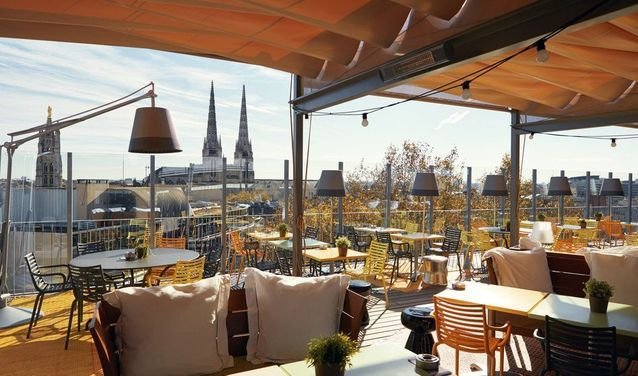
[{"x": 115, "y": 260}]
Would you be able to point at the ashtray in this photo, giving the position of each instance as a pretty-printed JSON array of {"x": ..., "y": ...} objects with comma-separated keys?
[
  {"x": 458, "y": 286},
  {"x": 130, "y": 256}
]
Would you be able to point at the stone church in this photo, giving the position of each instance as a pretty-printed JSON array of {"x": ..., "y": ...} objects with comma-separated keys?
[{"x": 48, "y": 171}]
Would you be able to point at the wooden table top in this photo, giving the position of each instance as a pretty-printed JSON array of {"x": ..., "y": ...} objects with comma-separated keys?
[
  {"x": 307, "y": 243},
  {"x": 576, "y": 311},
  {"x": 497, "y": 298},
  {"x": 265, "y": 236},
  {"x": 332, "y": 254}
]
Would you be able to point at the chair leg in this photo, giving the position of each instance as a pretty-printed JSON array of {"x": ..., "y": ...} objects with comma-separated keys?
[
  {"x": 37, "y": 315},
  {"x": 501, "y": 363},
  {"x": 34, "y": 313},
  {"x": 80, "y": 313},
  {"x": 456, "y": 361},
  {"x": 68, "y": 328}
]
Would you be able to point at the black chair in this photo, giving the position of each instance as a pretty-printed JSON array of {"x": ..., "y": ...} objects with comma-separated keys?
[
  {"x": 254, "y": 259},
  {"x": 577, "y": 350},
  {"x": 311, "y": 232},
  {"x": 87, "y": 248},
  {"x": 451, "y": 243},
  {"x": 89, "y": 284},
  {"x": 284, "y": 262},
  {"x": 359, "y": 242},
  {"x": 117, "y": 278},
  {"x": 396, "y": 250},
  {"x": 43, "y": 285}
]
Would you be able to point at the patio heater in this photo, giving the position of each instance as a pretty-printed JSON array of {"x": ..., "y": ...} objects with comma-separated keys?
[
  {"x": 425, "y": 186},
  {"x": 152, "y": 132},
  {"x": 494, "y": 186},
  {"x": 611, "y": 187},
  {"x": 559, "y": 186},
  {"x": 330, "y": 184}
]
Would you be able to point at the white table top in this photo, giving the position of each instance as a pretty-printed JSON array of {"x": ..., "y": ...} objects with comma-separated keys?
[
  {"x": 496, "y": 298},
  {"x": 265, "y": 236},
  {"x": 332, "y": 254},
  {"x": 576, "y": 311},
  {"x": 114, "y": 260},
  {"x": 417, "y": 236},
  {"x": 385, "y": 230}
]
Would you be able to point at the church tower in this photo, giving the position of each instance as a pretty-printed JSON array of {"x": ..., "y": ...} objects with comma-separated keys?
[
  {"x": 48, "y": 172},
  {"x": 212, "y": 150},
  {"x": 243, "y": 147}
]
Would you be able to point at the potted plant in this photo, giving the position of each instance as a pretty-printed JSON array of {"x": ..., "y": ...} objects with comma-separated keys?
[
  {"x": 342, "y": 243},
  {"x": 330, "y": 355},
  {"x": 598, "y": 293},
  {"x": 283, "y": 230},
  {"x": 507, "y": 226},
  {"x": 141, "y": 249},
  {"x": 541, "y": 217},
  {"x": 582, "y": 223},
  {"x": 599, "y": 216}
]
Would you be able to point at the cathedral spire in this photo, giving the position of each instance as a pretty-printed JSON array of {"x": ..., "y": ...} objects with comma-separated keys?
[
  {"x": 243, "y": 147},
  {"x": 212, "y": 143}
]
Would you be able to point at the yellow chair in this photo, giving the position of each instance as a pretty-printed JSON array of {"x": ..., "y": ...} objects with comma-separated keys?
[
  {"x": 571, "y": 221},
  {"x": 179, "y": 243},
  {"x": 464, "y": 327},
  {"x": 631, "y": 239},
  {"x": 185, "y": 272},
  {"x": 167, "y": 272},
  {"x": 613, "y": 232},
  {"x": 411, "y": 227},
  {"x": 238, "y": 252},
  {"x": 478, "y": 222},
  {"x": 136, "y": 227},
  {"x": 591, "y": 235},
  {"x": 374, "y": 266}
]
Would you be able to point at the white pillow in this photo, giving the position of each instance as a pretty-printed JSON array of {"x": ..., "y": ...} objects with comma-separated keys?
[
  {"x": 619, "y": 267},
  {"x": 522, "y": 269},
  {"x": 285, "y": 313},
  {"x": 173, "y": 330},
  {"x": 526, "y": 242}
]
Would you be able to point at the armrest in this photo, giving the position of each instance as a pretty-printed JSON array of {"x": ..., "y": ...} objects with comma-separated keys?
[
  {"x": 61, "y": 275},
  {"x": 538, "y": 335},
  {"x": 507, "y": 329}
]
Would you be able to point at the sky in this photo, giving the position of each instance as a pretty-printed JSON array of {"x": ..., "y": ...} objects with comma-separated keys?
[{"x": 73, "y": 77}]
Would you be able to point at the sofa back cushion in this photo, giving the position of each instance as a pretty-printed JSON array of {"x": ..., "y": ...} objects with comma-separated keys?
[
  {"x": 522, "y": 269},
  {"x": 173, "y": 330},
  {"x": 619, "y": 267},
  {"x": 285, "y": 313}
]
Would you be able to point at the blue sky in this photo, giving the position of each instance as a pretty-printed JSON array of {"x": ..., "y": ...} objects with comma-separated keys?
[{"x": 72, "y": 78}]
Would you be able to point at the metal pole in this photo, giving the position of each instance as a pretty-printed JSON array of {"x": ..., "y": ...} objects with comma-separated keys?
[
  {"x": 297, "y": 177},
  {"x": 340, "y": 207},
  {"x": 388, "y": 193},
  {"x": 609, "y": 200},
  {"x": 4, "y": 288},
  {"x": 534, "y": 177},
  {"x": 468, "y": 200},
  {"x": 286, "y": 192},
  {"x": 561, "y": 203},
  {"x": 588, "y": 195},
  {"x": 630, "y": 196},
  {"x": 189, "y": 187},
  {"x": 501, "y": 204},
  {"x": 69, "y": 206},
  {"x": 515, "y": 150},
  {"x": 151, "y": 214},
  {"x": 431, "y": 207},
  {"x": 224, "y": 252}
]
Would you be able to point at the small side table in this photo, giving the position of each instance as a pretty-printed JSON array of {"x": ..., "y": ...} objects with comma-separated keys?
[
  {"x": 420, "y": 321},
  {"x": 362, "y": 288}
]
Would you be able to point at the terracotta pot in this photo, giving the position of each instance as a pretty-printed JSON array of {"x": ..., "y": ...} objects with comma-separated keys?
[
  {"x": 343, "y": 251},
  {"x": 329, "y": 369},
  {"x": 598, "y": 305},
  {"x": 282, "y": 234}
]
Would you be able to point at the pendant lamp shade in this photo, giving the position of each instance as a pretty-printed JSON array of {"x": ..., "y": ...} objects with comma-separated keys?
[
  {"x": 494, "y": 186},
  {"x": 425, "y": 184},
  {"x": 559, "y": 186},
  {"x": 153, "y": 132},
  {"x": 611, "y": 187},
  {"x": 330, "y": 184}
]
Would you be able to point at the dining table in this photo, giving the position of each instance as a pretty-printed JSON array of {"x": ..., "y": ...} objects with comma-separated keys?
[
  {"x": 424, "y": 240},
  {"x": 374, "y": 229},
  {"x": 330, "y": 255}
]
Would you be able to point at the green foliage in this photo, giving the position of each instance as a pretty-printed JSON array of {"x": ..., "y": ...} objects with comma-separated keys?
[
  {"x": 282, "y": 227},
  {"x": 598, "y": 289},
  {"x": 337, "y": 348},
  {"x": 342, "y": 241},
  {"x": 599, "y": 216}
]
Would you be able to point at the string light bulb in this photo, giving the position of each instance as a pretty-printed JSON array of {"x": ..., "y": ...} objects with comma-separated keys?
[
  {"x": 531, "y": 136},
  {"x": 541, "y": 52},
  {"x": 613, "y": 142},
  {"x": 364, "y": 120},
  {"x": 466, "y": 94}
]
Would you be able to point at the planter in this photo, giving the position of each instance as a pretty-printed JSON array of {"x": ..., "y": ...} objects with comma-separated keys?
[
  {"x": 427, "y": 362},
  {"x": 141, "y": 252},
  {"x": 583, "y": 225},
  {"x": 282, "y": 234},
  {"x": 330, "y": 369},
  {"x": 343, "y": 251},
  {"x": 598, "y": 305}
]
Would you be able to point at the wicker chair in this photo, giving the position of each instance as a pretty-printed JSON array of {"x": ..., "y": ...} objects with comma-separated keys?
[{"x": 464, "y": 327}]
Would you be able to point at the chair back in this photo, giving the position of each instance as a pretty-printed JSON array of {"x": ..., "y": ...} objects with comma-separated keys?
[
  {"x": 91, "y": 247},
  {"x": 411, "y": 227},
  {"x": 477, "y": 222},
  {"x": 284, "y": 262},
  {"x": 631, "y": 239},
  {"x": 189, "y": 271},
  {"x": 349, "y": 230},
  {"x": 577, "y": 350},
  {"x": 136, "y": 227},
  {"x": 311, "y": 232},
  {"x": 163, "y": 242},
  {"x": 34, "y": 270},
  {"x": 377, "y": 256},
  {"x": 461, "y": 326},
  {"x": 235, "y": 240},
  {"x": 88, "y": 282},
  {"x": 451, "y": 240}
]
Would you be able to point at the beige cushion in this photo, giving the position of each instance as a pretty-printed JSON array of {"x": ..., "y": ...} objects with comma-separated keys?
[
  {"x": 619, "y": 267},
  {"x": 173, "y": 330},
  {"x": 522, "y": 269},
  {"x": 526, "y": 242},
  {"x": 285, "y": 313}
]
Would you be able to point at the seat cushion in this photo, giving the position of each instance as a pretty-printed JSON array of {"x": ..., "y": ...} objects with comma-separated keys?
[
  {"x": 522, "y": 269},
  {"x": 618, "y": 266},
  {"x": 285, "y": 313},
  {"x": 173, "y": 330}
]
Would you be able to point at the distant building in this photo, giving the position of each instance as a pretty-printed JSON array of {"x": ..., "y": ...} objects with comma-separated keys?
[
  {"x": 48, "y": 172},
  {"x": 210, "y": 170}
]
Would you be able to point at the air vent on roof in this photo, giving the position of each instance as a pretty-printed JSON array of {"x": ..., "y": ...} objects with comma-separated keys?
[{"x": 416, "y": 64}]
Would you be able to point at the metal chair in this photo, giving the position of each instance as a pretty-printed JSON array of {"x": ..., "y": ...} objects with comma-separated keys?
[
  {"x": 88, "y": 285},
  {"x": 311, "y": 232},
  {"x": 577, "y": 350},
  {"x": 451, "y": 242},
  {"x": 403, "y": 251},
  {"x": 43, "y": 285},
  {"x": 185, "y": 272},
  {"x": 359, "y": 242},
  {"x": 464, "y": 327},
  {"x": 115, "y": 277}
]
